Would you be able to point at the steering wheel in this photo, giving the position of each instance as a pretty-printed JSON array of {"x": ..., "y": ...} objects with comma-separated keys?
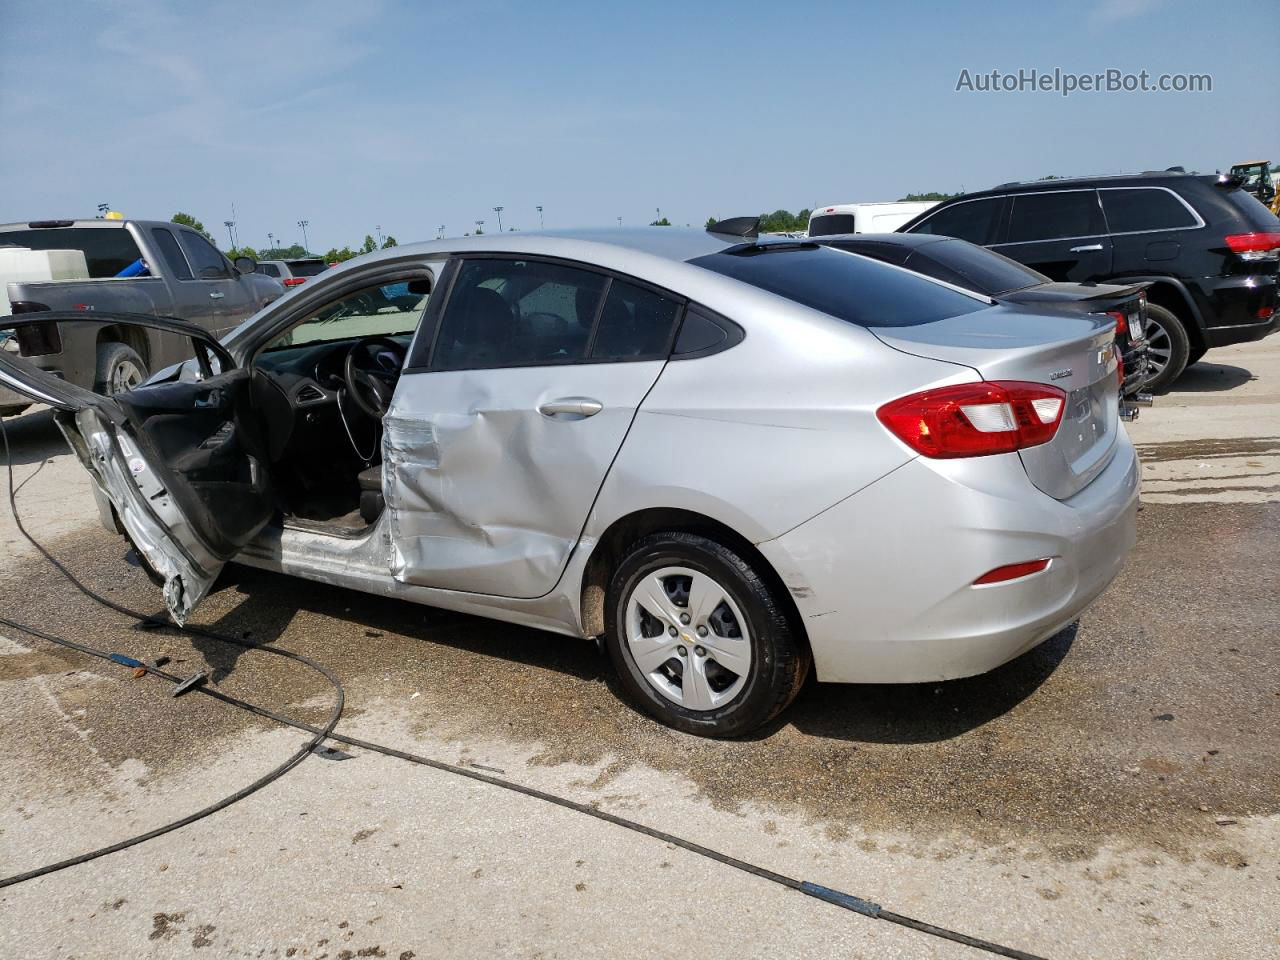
[{"x": 370, "y": 377}]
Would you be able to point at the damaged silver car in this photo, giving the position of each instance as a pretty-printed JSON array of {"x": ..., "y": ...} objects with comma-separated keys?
[{"x": 735, "y": 459}]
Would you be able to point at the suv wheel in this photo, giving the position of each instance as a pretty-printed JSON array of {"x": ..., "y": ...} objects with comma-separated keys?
[
  {"x": 1168, "y": 348},
  {"x": 120, "y": 369},
  {"x": 698, "y": 638}
]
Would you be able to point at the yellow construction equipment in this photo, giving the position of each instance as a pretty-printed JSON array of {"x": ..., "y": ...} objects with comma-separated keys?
[{"x": 1260, "y": 179}]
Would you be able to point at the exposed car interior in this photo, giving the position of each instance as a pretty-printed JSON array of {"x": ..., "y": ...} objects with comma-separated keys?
[{"x": 322, "y": 389}]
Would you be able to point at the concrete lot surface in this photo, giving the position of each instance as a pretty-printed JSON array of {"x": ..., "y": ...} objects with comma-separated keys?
[{"x": 1112, "y": 793}]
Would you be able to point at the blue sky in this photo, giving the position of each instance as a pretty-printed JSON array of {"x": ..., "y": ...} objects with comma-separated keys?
[{"x": 411, "y": 115}]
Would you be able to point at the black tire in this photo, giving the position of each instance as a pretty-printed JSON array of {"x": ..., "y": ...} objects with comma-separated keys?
[
  {"x": 1196, "y": 355},
  {"x": 1166, "y": 333},
  {"x": 780, "y": 659},
  {"x": 115, "y": 360}
]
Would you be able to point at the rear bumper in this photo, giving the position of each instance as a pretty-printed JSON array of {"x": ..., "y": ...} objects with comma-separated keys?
[
  {"x": 883, "y": 580},
  {"x": 1244, "y": 333},
  {"x": 1235, "y": 307}
]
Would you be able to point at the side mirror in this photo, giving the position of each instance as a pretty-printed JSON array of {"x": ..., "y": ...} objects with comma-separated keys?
[{"x": 246, "y": 264}]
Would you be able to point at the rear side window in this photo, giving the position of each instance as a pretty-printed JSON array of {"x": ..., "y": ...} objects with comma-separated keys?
[
  {"x": 107, "y": 250},
  {"x": 206, "y": 261},
  {"x": 635, "y": 324},
  {"x": 853, "y": 289},
  {"x": 831, "y": 224},
  {"x": 172, "y": 253},
  {"x": 977, "y": 267},
  {"x": 270, "y": 269},
  {"x": 1058, "y": 215},
  {"x": 511, "y": 313},
  {"x": 1131, "y": 210},
  {"x": 884, "y": 252},
  {"x": 972, "y": 220}
]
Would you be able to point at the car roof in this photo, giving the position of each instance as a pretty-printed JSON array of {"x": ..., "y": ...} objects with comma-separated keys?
[{"x": 670, "y": 243}]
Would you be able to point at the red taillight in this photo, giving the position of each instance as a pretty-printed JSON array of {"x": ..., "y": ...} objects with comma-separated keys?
[
  {"x": 1012, "y": 572},
  {"x": 976, "y": 419},
  {"x": 1122, "y": 322},
  {"x": 294, "y": 281},
  {"x": 1253, "y": 246}
]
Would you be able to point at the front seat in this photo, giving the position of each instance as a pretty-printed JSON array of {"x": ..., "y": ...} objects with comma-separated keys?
[{"x": 371, "y": 501}]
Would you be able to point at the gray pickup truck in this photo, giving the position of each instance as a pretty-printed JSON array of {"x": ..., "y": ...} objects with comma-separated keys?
[{"x": 134, "y": 266}]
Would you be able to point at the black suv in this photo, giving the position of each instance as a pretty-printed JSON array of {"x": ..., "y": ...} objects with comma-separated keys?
[{"x": 1209, "y": 249}]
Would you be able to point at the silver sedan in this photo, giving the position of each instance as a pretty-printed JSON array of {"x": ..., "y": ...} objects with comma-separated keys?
[{"x": 737, "y": 460}]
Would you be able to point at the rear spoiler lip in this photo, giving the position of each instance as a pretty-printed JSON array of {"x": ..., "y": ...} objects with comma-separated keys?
[{"x": 1126, "y": 293}]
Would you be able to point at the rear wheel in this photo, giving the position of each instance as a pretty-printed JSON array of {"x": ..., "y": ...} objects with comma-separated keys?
[
  {"x": 699, "y": 639},
  {"x": 1168, "y": 348},
  {"x": 120, "y": 369}
]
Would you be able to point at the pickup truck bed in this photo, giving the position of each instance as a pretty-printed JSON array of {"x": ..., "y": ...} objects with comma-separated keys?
[{"x": 184, "y": 276}]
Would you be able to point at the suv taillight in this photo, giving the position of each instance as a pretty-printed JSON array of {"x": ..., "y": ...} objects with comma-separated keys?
[
  {"x": 294, "y": 281},
  {"x": 976, "y": 419},
  {"x": 1254, "y": 246}
]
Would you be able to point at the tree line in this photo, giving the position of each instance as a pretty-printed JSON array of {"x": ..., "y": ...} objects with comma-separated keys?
[{"x": 294, "y": 251}]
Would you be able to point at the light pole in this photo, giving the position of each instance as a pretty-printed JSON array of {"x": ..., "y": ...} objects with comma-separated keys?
[
  {"x": 498, "y": 211},
  {"x": 619, "y": 221},
  {"x": 659, "y": 209},
  {"x": 230, "y": 236},
  {"x": 440, "y": 235},
  {"x": 479, "y": 226},
  {"x": 541, "y": 225},
  {"x": 304, "y": 224},
  {"x": 378, "y": 228},
  {"x": 271, "y": 242}
]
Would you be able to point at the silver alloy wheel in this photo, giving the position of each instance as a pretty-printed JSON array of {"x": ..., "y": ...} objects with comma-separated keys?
[
  {"x": 688, "y": 638},
  {"x": 125, "y": 375},
  {"x": 1159, "y": 347}
]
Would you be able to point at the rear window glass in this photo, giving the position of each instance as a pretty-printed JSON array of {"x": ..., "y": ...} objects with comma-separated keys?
[
  {"x": 306, "y": 268},
  {"x": 980, "y": 269},
  {"x": 1130, "y": 210},
  {"x": 833, "y": 223},
  {"x": 1256, "y": 215},
  {"x": 850, "y": 288},
  {"x": 107, "y": 250}
]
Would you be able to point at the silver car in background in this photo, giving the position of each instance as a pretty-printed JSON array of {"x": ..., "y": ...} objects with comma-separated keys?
[{"x": 735, "y": 459}]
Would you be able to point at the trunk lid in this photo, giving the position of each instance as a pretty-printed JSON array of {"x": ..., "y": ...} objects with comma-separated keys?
[{"x": 1074, "y": 352}]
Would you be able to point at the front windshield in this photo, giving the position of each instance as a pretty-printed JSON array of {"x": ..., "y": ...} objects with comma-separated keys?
[{"x": 386, "y": 310}]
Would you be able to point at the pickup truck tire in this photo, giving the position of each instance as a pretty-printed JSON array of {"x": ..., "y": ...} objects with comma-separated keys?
[{"x": 120, "y": 369}]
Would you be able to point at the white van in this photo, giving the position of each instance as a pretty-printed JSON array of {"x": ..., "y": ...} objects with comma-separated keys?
[{"x": 865, "y": 217}]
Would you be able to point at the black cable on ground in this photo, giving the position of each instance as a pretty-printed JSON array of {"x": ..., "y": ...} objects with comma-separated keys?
[
  {"x": 319, "y": 734},
  {"x": 835, "y": 897}
]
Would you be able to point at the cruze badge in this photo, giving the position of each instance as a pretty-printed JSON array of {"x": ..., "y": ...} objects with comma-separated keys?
[{"x": 1060, "y": 374}]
